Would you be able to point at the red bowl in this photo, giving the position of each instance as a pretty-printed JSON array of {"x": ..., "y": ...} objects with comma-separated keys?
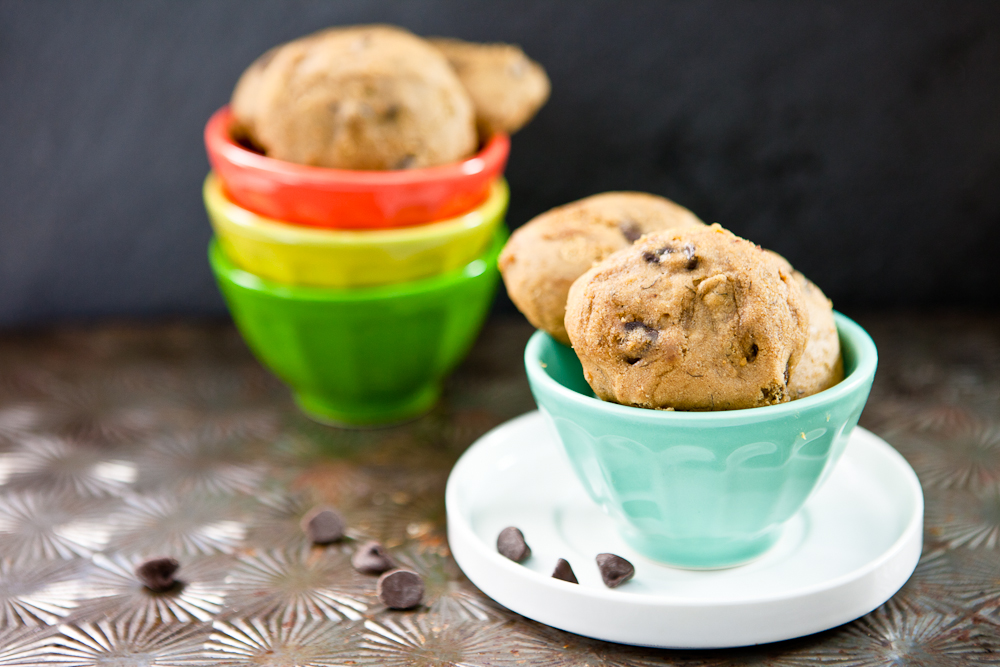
[{"x": 345, "y": 198}]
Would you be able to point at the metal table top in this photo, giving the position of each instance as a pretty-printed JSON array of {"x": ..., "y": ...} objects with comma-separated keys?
[{"x": 119, "y": 443}]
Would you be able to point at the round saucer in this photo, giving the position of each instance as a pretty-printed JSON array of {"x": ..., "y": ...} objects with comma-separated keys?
[{"x": 852, "y": 546}]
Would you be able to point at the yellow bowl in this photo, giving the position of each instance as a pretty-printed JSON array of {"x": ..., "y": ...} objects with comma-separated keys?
[{"x": 297, "y": 255}]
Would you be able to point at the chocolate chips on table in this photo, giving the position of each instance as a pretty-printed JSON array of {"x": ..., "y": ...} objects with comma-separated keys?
[
  {"x": 400, "y": 589},
  {"x": 157, "y": 574},
  {"x": 323, "y": 525},
  {"x": 615, "y": 570},
  {"x": 371, "y": 558},
  {"x": 564, "y": 571},
  {"x": 397, "y": 589},
  {"x": 511, "y": 544}
]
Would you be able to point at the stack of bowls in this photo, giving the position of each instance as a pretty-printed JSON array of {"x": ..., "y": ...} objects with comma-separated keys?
[{"x": 361, "y": 290}]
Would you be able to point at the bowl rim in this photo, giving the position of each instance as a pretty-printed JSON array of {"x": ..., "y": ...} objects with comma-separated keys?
[
  {"x": 221, "y": 145},
  {"x": 272, "y": 230},
  {"x": 849, "y": 331},
  {"x": 225, "y": 269}
]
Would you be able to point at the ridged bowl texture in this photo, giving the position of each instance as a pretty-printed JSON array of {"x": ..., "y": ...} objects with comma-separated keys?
[
  {"x": 700, "y": 490},
  {"x": 311, "y": 256},
  {"x": 364, "y": 356}
]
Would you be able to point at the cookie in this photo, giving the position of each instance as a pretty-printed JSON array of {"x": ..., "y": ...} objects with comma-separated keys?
[
  {"x": 689, "y": 319},
  {"x": 544, "y": 256},
  {"x": 365, "y": 97},
  {"x": 821, "y": 365},
  {"x": 507, "y": 88},
  {"x": 246, "y": 100}
]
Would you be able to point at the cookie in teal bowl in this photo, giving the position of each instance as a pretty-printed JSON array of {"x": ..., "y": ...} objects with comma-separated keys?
[
  {"x": 700, "y": 490},
  {"x": 362, "y": 356}
]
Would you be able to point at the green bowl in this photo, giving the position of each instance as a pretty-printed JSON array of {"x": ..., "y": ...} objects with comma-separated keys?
[
  {"x": 700, "y": 490},
  {"x": 362, "y": 356}
]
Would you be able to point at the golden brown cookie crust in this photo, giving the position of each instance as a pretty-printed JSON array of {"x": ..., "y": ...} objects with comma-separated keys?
[
  {"x": 365, "y": 97},
  {"x": 246, "y": 99},
  {"x": 544, "y": 256},
  {"x": 507, "y": 88},
  {"x": 821, "y": 365},
  {"x": 689, "y": 319}
]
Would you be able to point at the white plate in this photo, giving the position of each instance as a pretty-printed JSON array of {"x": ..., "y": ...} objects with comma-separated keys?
[{"x": 852, "y": 546}]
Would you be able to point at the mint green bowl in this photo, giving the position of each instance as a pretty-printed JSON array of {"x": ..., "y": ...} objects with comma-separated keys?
[
  {"x": 700, "y": 490},
  {"x": 363, "y": 356}
]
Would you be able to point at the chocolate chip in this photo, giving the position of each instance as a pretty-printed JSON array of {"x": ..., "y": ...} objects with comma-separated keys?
[
  {"x": 407, "y": 162},
  {"x": 630, "y": 230},
  {"x": 615, "y": 570},
  {"x": 649, "y": 331},
  {"x": 391, "y": 114},
  {"x": 752, "y": 354},
  {"x": 654, "y": 257},
  {"x": 400, "y": 589},
  {"x": 323, "y": 525},
  {"x": 564, "y": 571},
  {"x": 157, "y": 574},
  {"x": 638, "y": 339},
  {"x": 511, "y": 544},
  {"x": 692, "y": 260},
  {"x": 371, "y": 558}
]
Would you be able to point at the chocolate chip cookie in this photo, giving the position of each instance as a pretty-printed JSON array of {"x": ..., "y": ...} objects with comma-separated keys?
[
  {"x": 689, "y": 319},
  {"x": 544, "y": 256},
  {"x": 821, "y": 365},
  {"x": 507, "y": 88},
  {"x": 365, "y": 97}
]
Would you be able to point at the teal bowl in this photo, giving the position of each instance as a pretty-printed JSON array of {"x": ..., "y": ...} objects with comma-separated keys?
[
  {"x": 700, "y": 490},
  {"x": 363, "y": 356}
]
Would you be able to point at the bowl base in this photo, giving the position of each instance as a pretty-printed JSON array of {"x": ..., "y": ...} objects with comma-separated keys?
[
  {"x": 704, "y": 553},
  {"x": 852, "y": 545},
  {"x": 372, "y": 414}
]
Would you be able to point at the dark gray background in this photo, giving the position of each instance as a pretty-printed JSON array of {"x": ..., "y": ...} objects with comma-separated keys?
[{"x": 859, "y": 139}]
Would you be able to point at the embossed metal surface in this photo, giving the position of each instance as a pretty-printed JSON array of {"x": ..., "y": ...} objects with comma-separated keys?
[{"x": 122, "y": 443}]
